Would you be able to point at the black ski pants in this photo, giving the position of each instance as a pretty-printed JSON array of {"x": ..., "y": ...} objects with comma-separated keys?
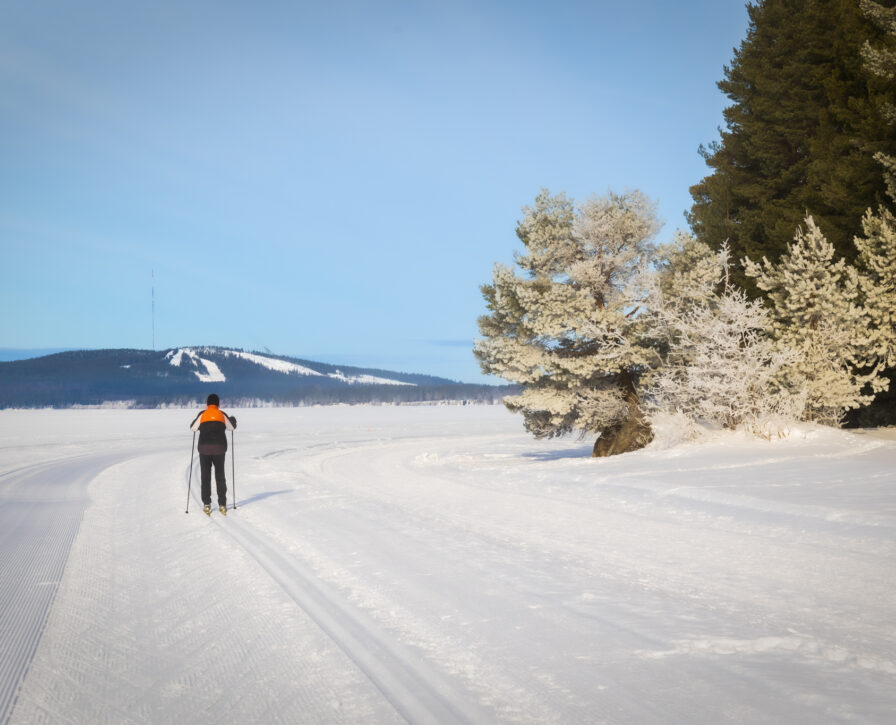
[{"x": 206, "y": 462}]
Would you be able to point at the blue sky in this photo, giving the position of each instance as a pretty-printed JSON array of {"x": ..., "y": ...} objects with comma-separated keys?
[{"x": 327, "y": 180}]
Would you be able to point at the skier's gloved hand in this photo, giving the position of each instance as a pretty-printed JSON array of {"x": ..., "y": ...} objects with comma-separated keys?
[{"x": 233, "y": 420}]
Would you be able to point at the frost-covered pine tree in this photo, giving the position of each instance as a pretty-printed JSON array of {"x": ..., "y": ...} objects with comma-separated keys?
[
  {"x": 720, "y": 364},
  {"x": 567, "y": 330},
  {"x": 816, "y": 312},
  {"x": 877, "y": 260}
]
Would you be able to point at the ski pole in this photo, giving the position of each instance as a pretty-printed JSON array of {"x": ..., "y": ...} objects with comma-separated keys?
[
  {"x": 233, "y": 467},
  {"x": 190, "y": 482}
]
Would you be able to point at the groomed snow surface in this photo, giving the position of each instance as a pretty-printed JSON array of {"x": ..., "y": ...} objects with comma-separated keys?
[{"x": 438, "y": 565}]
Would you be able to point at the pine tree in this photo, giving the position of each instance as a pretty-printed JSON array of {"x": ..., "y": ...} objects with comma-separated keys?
[
  {"x": 877, "y": 260},
  {"x": 817, "y": 312},
  {"x": 801, "y": 133},
  {"x": 877, "y": 285},
  {"x": 567, "y": 331},
  {"x": 880, "y": 63}
]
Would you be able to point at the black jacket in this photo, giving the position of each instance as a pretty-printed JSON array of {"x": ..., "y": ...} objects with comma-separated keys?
[{"x": 212, "y": 425}]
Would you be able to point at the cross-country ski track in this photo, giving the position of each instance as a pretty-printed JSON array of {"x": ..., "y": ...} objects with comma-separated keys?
[
  {"x": 41, "y": 506},
  {"x": 438, "y": 565}
]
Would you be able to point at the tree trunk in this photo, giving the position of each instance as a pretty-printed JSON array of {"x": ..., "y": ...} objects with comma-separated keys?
[{"x": 632, "y": 433}]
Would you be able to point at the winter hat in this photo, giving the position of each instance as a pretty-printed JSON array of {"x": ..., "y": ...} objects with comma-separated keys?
[{"x": 213, "y": 400}]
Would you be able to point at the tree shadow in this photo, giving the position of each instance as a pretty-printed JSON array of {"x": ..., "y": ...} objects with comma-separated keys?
[{"x": 582, "y": 452}]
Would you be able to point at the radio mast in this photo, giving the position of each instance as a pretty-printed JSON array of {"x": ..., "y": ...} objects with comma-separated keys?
[{"x": 153, "y": 309}]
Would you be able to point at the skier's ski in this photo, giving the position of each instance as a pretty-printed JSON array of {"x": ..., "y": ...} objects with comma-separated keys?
[{"x": 207, "y": 510}]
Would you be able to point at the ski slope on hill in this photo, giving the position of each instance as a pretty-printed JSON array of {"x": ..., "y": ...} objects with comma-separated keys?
[{"x": 437, "y": 564}]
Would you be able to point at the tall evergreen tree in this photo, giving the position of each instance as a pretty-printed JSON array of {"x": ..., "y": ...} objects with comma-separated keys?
[
  {"x": 801, "y": 134},
  {"x": 880, "y": 62}
]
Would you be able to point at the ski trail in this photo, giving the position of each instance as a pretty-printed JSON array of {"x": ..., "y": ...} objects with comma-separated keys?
[
  {"x": 41, "y": 507},
  {"x": 416, "y": 690},
  {"x": 161, "y": 617}
]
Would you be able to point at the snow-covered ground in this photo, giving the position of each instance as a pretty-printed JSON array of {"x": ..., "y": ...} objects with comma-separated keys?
[{"x": 437, "y": 564}]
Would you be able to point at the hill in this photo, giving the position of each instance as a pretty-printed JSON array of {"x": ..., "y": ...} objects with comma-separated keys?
[{"x": 183, "y": 376}]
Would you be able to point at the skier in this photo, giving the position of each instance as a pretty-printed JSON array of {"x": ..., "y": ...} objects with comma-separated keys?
[{"x": 212, "y": 424}]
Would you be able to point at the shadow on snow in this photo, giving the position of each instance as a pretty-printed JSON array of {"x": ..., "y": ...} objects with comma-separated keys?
[{"x": 260, "y": 497}]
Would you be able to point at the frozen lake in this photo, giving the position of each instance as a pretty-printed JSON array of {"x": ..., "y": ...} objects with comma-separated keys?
[{"x": 437, "y": 564}]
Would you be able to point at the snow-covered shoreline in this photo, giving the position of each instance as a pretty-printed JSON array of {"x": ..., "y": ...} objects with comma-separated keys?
[{"x": 437, "y": 562}]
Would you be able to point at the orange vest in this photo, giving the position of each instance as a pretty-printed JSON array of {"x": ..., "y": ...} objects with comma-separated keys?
[{"x": 212, "y": 414}]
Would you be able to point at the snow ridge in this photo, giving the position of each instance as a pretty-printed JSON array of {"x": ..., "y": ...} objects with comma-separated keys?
[
  {"x": 209, "y": 372},
  {"x": 278, "y": 366},
  {"x": 212, "y": 372}
]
